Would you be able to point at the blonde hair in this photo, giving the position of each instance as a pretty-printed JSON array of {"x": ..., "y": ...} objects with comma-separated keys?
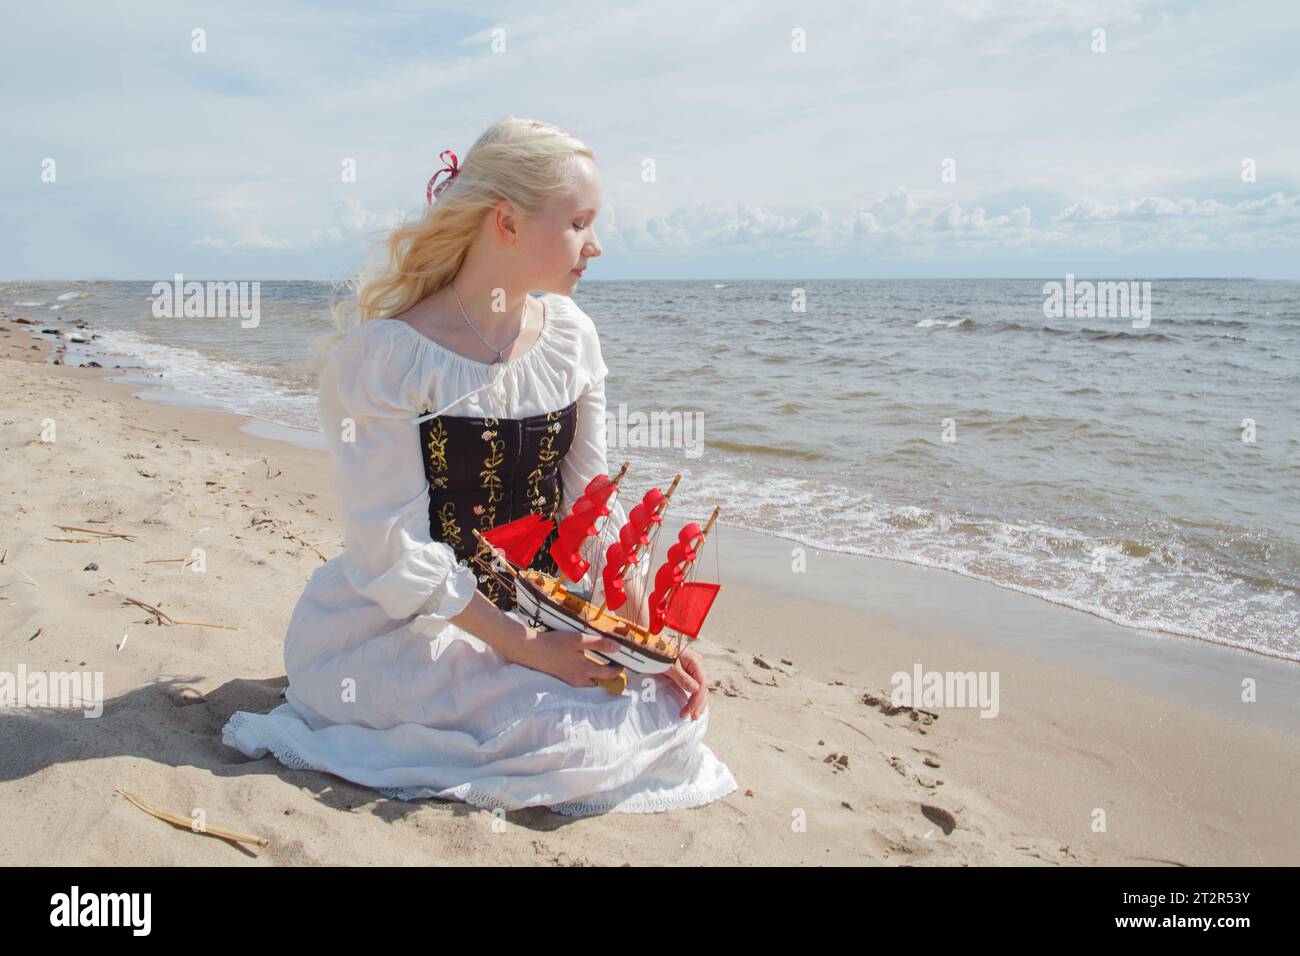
[{"x": 524, "y": 161}]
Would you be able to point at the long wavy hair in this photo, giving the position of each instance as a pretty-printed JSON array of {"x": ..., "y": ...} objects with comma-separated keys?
[{"x": 521, "y": 160}]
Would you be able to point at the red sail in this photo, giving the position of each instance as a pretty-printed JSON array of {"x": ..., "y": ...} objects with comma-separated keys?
[
  {"x": 616, "y": 559},
  {"x": 669, "y": 577},
  {"x": 679, "y": 553},
  {"x": 690, "y": 606},
  {"x": 581, "y": 525},
  {"x": 666, "y": 578},
  {"x": 569, "y": 559},
  {"x": 599, "y": 488},
  {"x": 520, "y": 539},
  {"x": 615, "y": 594},
  {"x": 631, "y": 536}
]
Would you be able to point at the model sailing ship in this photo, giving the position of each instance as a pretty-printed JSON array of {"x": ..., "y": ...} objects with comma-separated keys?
[{"x": 676, "y": 604}]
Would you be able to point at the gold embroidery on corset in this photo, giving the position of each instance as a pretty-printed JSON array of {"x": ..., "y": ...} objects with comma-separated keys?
[
  {"x": 450, "y": 530},
  {"x": 493, "y": 484},
  {"x": 546, "y": 454},
  {"x": 438, "y": 446}
]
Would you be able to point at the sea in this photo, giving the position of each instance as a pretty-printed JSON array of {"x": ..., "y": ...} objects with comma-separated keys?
[{"x": 1141, "y": 468}]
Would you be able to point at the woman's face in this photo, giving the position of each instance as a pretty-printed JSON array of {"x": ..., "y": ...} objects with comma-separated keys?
[{"x": 563, "y": 236}]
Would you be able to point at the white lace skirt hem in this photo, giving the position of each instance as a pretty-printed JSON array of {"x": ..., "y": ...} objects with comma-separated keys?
[{"x": 284, "y": 734}]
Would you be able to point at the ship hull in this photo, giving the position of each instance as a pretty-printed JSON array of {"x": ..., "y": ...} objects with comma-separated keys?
[{"x": 536, "y": 606}]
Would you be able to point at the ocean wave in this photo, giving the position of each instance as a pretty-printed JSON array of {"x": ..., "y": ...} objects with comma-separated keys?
[
  {"x": 1218, "y": 616},
  {"x": 1169, "y": 580},
  {"x": 945, "y": 323},
  {"x": 1099, "y": 335},
  {"x": 1106, "y": 335},
  {"x": 196, "y": 378},
  {"x": 1213, "y": 322},
  {"x": 746, "y": 448},
  {"x": 1021, "y": 327}
]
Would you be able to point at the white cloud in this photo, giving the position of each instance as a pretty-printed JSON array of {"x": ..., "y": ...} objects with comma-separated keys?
[
  {"x": 896, "y": 220},
  {"x": 353, "y": 221},
  {"x": 757, "y": 147}
]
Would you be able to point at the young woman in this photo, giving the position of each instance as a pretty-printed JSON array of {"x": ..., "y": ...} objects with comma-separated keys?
[{"x": 459, "y": 401}]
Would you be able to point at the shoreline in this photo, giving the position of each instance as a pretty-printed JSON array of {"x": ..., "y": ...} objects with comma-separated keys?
[
  {"x": 1093, "y": 714},
  {"x": 1253, "y": 650}
]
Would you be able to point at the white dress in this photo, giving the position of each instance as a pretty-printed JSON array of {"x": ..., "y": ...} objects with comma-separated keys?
[{"x": 383, "y": 690}]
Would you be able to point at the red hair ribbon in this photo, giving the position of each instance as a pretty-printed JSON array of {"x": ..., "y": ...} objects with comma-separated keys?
[{"x": 453, "y": 168}]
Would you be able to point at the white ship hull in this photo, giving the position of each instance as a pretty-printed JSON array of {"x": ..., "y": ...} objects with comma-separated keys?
[{"x": 533, "y": 607}]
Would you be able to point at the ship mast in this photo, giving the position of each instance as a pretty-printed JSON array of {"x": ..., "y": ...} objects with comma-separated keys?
[{"x": 668, "y": 495}]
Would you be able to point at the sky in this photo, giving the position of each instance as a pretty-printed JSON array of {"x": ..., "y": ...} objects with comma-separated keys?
[{"x": 932, "y": 138}]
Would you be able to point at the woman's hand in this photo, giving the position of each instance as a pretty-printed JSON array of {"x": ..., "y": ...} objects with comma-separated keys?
[
  {"x": 688, "y": 674},
  {"x": 561, "y": 654}
]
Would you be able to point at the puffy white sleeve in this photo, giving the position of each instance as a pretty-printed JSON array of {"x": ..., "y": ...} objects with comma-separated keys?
[
  {"x": 585, "y": 459},
  {"x": 369, "y": 399}
]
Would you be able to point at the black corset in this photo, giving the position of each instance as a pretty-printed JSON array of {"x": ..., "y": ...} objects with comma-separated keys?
[{"x": 485, "y": 472}]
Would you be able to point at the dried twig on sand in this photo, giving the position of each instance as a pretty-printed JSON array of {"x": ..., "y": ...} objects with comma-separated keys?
[
  {"x": 163, "y": 618},
  {"x": 290, "y": 534},
  {"x": 187, "y": 823},
  {"x": 102, "y": 534},
  {"x": 182, "y": 561}
]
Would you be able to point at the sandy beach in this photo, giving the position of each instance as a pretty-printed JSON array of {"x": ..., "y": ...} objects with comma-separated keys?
[{"x": 1108, "y": 746}]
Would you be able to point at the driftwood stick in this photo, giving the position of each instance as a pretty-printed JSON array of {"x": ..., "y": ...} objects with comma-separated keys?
[
  {"x": 102, "y": 534},
  {"x": 73, "y": 540},
  {"x": 224, "y": 627},
  {"x": 165, "y": 619},
  {"x": 183, "y": 562},
  {"x": 187, "y": 823},
  {"x": 162, "y": 618}
]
